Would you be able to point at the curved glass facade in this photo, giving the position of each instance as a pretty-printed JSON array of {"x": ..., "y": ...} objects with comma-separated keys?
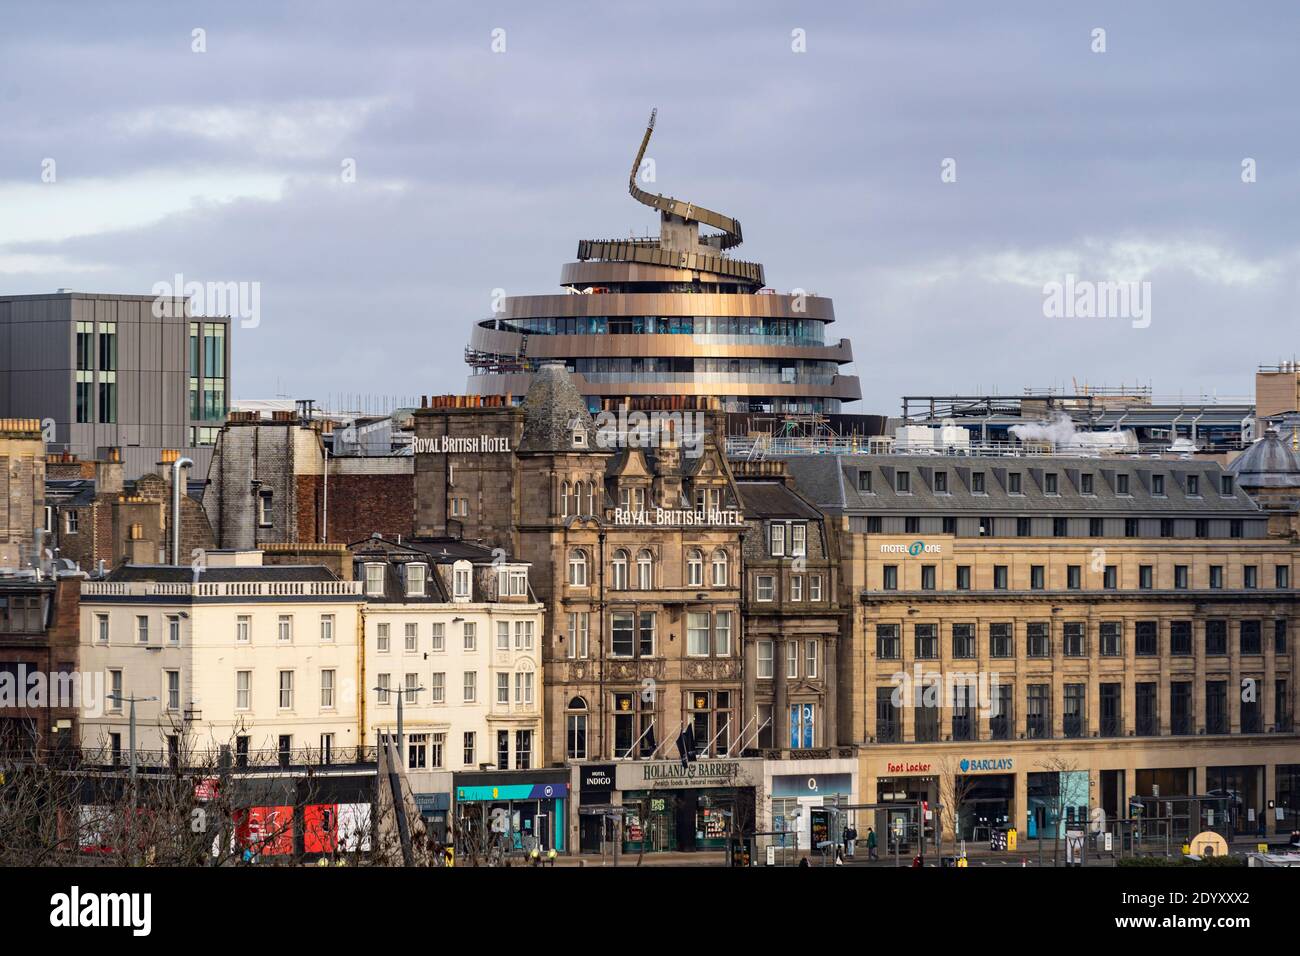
[
  {"x": 720, "y": 329},
  {"x": 669, "y": 316}
]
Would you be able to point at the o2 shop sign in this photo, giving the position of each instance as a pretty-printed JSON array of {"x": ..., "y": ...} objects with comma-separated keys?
[{"x": 987, "y": 765}]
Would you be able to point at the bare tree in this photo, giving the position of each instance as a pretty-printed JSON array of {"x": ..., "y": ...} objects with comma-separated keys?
[
  {"x": 954, "y": 790},
  {"x": 1058, "y": 796}
]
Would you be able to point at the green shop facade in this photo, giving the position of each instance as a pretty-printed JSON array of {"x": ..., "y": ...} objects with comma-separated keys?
[{"x": 666, "y": 806}]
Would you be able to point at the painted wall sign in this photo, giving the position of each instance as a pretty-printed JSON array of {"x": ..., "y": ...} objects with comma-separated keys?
[
  {"x": 451, "y": 445},
  {"x": 667, "y": 517}
]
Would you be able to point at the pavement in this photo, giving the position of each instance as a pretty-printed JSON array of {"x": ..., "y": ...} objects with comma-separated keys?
[{"x": 1026, "y": 854}]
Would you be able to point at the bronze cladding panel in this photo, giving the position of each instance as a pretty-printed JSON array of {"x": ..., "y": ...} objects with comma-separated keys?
[
  {"x": 845, "y": 387},
  {"x": 667, "y": 303}
]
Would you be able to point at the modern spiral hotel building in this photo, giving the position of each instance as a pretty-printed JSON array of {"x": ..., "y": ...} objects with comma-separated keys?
[{"x": 669, "y": 316}]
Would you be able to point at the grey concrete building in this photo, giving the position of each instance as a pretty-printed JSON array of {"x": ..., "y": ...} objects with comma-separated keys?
[{"x": 107, "y": 371}]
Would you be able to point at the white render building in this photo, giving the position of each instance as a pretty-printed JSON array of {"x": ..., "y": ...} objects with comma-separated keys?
[
  {"x": 454, "y": 628},
  {"x": 263, "y": 659}
]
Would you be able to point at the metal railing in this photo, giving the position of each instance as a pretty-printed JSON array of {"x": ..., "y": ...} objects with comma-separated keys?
[
  {"x": 201, "y": 588},
  {"x": 211, "y": 758},
  {"x": 780, "y": 447}
]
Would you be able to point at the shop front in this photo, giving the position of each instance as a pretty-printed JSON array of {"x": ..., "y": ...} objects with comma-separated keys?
[
  {"x": 909, "y": 783},
  {"x": 1058, "y": 802},
  {"x": 512, "y": 810},
  {"x": 986, "y": 803},
  {"x": 1243, "y": 788},
  {"x": 598, "y": 814},
  {"x": 668, "y": 806},
  {"x": 798, "y": 786}
]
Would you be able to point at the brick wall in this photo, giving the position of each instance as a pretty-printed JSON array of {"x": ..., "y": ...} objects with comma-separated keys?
[{"x": 359, "y": 505}]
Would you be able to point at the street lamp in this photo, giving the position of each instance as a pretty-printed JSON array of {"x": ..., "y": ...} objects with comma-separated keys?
[
  {"x": 132, "y": 701},
  {"x": 401, "y": 692}
]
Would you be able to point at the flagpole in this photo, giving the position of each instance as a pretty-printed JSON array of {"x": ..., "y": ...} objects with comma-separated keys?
[
  {"x": 743, "y": 731},
  {"x": 671, "y": 736},
  {"x": 759, "y": 730},
  {"x": 708, "y": 748},
  {"x": 632, "y": 749}
]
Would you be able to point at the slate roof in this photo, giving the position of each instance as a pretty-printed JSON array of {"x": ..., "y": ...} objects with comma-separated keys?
[
  {"x": 772, "y": 499},
  {"x": 552, "y": 407},
  {"x": 184, "y": 574},
  {"x": 832, "y": 482}
]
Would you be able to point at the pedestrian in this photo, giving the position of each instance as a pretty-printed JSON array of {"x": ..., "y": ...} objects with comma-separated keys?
[
  {"x": 804, "y": 861},
  {"x": 871, "y": 844},
  {"x": 850, "y": 838}
]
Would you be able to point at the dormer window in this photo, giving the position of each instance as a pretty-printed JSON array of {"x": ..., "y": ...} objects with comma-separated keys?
[
  {"x": 941, "y": 482},
  {"x": 512, "y": 581},
  {"x": 374, "y": 580},
  {"x": 416, "y": 575},
  {"x": 777, "y": 541},
  {"x": 461, "y": 578},
  {"x": 579, "y": 437},
  {"x": 518, "y": 582},
  {"x": 977, "y": 482},
  {"x": 903, "y": 483},
  {"x": 1225, "y": 486},
  {"x": 1049, "y": 483},
  {"x": 1158, "y": 485}
]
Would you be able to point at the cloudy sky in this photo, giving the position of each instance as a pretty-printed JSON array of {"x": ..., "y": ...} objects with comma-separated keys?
[{"x": 478, "y": 170}]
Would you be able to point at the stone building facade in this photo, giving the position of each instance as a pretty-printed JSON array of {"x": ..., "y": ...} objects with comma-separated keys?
[
  {"x": 22, "y": 490},
  {"x": 38, "y": 635},
  {"x": 1112, "y": 628},
  {"x": 635, "y": 552},
  {"x": 94, "y": 516},
  {"x": 792, "y": 616},
  {"x": 271, "y": 481}
]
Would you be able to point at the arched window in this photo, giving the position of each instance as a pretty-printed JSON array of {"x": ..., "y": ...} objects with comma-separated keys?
[
  {"x": 645, "y": 570},
  {"x": 578, "y": 568},
  {"x": 575, "y": 746},
  {"x": 564, "y": 500},
  {"x": 591, "y": 497},
  {"x": 619, "y": 582},
  {"x": 694, "y": 568},
  {"x": 720, "y": 579},
  {"x": 577, "y": 498}
]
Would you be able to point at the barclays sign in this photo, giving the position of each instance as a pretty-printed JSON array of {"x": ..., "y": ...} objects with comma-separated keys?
[{"x": 998, "y": 765}]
